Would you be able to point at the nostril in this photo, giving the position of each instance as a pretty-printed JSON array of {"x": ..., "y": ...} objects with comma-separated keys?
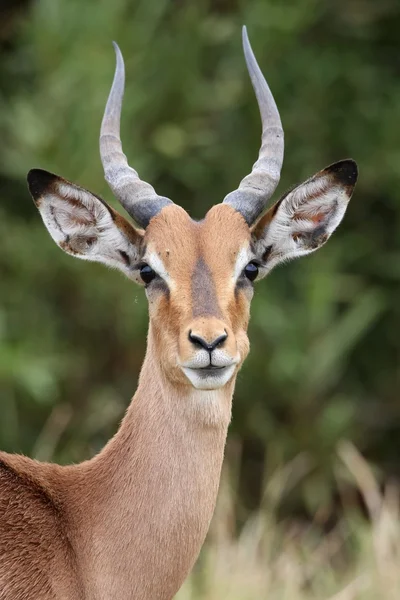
[
  {"x": 197, "y": 340},
  {"x": 218, "y": 341}
]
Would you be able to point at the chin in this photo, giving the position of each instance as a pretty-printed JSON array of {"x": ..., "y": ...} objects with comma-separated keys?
[{"x": 209, "y": 379}]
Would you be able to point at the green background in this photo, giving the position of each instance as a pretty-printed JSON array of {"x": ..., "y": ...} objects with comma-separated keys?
[{"x": 324, "y": 361}]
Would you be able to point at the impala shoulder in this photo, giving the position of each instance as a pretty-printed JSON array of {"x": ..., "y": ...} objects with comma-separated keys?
[{"x": 21, "y": 477}]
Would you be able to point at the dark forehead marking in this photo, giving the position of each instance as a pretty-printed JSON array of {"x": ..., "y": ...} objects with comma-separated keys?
[{"x": 204, "y": 296}]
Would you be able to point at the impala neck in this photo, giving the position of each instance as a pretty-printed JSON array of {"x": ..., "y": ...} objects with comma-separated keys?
[
  {"x": 153, "y": 488},
  {"x": 199, "y": 410}
]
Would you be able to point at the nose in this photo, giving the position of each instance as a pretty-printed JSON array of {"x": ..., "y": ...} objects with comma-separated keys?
[{"x": 197, "y": 340}]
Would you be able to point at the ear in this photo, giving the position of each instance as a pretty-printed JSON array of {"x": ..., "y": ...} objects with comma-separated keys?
[
  {"x": 84, "y": 225},
  {"x": 303, "y": 219}
]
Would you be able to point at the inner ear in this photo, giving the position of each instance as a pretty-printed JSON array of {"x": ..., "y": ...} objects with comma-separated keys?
[
  {"x": 76, "y": 224},
  {"x": 82, "y": 224},
  {"x": 305, "y": 217}
]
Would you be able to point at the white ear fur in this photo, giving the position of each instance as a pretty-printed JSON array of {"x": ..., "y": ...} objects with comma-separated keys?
[
  {"x": 304, "y": 219},
  {"x": 82, "y": 224}
]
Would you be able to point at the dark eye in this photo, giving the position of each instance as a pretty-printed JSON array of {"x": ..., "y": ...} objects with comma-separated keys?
[
  {"x": 147, "y": 274},
  {"x": 251, "y": 271}
]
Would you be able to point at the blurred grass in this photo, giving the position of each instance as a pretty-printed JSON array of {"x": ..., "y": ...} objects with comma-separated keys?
[
  {"x": 356, "y": 560},
  {"x": 325, "y": 351}
]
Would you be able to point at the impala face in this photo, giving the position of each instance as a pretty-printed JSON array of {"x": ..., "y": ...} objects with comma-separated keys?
[
  {"x": 198, "y": 276},
  {"x": 199, "y": 293}
]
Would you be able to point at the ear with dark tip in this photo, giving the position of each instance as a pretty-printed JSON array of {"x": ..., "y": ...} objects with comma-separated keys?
[
  {"x": 304, "y": 218},
  {"x": 39, "y": 182},
  {"x": 82, "y": 224}
]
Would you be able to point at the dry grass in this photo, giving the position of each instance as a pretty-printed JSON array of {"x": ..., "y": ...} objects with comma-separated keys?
[{"x": 359, "y": 560}]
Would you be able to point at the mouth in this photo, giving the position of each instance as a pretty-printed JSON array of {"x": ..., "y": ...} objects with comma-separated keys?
[
  {"x": 211, "y": 369},
  {"x": 209, "y": 378}
]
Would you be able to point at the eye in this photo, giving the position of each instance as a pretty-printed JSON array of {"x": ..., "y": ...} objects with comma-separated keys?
[
  {"x": 147, "y": 274},
  {"x": 251, "y": 271}
]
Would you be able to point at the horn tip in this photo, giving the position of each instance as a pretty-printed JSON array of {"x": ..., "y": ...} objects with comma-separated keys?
[
  {"x": 117, "y": 50},
  {"x": 120, "y": 68},
  {"x": 247, "y": 49},
  {"x": 245, "y": 37}
]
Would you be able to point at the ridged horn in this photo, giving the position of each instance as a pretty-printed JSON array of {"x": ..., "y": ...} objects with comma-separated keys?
[
  {"x": 254, "y": 191},
  {"x": 137, "y": 197}
]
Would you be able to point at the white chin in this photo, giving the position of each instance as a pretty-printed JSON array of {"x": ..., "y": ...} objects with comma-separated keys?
[{"x": 209, "y": 379}]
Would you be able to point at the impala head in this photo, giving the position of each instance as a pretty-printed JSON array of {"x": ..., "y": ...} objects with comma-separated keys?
[{"x": 198, "y": 276}]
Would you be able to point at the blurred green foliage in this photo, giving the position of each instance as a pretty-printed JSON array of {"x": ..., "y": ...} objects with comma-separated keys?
[{"x": 324, "y": 362}]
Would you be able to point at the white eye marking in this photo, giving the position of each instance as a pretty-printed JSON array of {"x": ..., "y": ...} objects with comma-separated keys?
[
  {"x": 155, "y": 262},
  {"x": 243, "y": 258}
]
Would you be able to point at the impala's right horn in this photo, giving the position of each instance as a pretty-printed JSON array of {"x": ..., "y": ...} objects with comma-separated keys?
[
  {"x": 137, "y": 197},
  {"x": 254, "y": 191}
]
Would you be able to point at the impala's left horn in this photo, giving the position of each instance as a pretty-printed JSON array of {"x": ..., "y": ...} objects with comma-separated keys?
[{"x": 137, "y": 197}]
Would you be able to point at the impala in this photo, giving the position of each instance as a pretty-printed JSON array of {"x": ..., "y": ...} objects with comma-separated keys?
[{"x": 129, "y": 523}]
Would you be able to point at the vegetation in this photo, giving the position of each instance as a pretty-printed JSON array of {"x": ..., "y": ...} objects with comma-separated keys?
[
  {"x": 276, "y": 561},
  {"x": 324, "y": 363}
]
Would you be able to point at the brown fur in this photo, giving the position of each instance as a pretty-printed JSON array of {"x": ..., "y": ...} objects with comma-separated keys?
[
  {"x": 130, "y": 522},
  {"x": 181, "y": 243}
]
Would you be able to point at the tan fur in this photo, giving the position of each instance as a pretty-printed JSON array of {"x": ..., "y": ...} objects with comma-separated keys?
[
  {"x": 180, "y": 242},
  {"x": 130, "y": 522}
]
